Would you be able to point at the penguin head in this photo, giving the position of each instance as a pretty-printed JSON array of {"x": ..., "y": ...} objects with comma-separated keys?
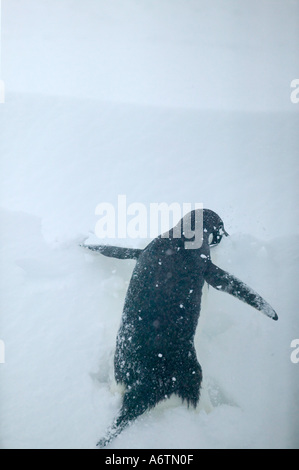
[
  {"x": 213, "y": 227},
  {"x": 199, "y": 222}
]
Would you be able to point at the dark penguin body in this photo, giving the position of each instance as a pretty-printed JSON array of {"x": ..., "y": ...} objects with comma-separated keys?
[
  {"x": 155, "y": 342},
  {"x": 155, "y": 355}
]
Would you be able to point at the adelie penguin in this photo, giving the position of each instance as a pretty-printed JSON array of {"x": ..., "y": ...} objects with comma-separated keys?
[{"x": 155, "y": 355}]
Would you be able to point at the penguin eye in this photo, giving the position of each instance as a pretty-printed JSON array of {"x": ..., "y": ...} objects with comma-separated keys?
[{"x": 215, "y": 238}]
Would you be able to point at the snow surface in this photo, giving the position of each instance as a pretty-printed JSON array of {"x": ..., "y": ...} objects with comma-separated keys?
[{"x": 163, "y": 101}]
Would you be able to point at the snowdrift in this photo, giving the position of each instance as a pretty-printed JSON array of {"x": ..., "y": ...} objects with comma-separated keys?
[{"x": 61, "y": 309}]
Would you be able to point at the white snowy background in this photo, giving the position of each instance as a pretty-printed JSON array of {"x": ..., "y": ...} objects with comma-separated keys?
[{"x": 159, "y": 100}]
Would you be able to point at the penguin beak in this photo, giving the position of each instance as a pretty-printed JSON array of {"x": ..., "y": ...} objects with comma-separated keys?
[{"x": 223, "y": 232}]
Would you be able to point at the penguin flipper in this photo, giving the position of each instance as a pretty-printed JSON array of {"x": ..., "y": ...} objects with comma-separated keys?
[
  {"x": 115, "y": 251},
  {"x": 223, "y": 281},
  {"x": 111, "y": 434}
]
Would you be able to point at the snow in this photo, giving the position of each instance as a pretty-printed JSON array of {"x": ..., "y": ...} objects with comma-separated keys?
[{"x": 160, "y": 101}]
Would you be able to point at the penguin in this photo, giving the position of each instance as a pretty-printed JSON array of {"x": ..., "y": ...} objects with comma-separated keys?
[{"x": 155, "y": 355}]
